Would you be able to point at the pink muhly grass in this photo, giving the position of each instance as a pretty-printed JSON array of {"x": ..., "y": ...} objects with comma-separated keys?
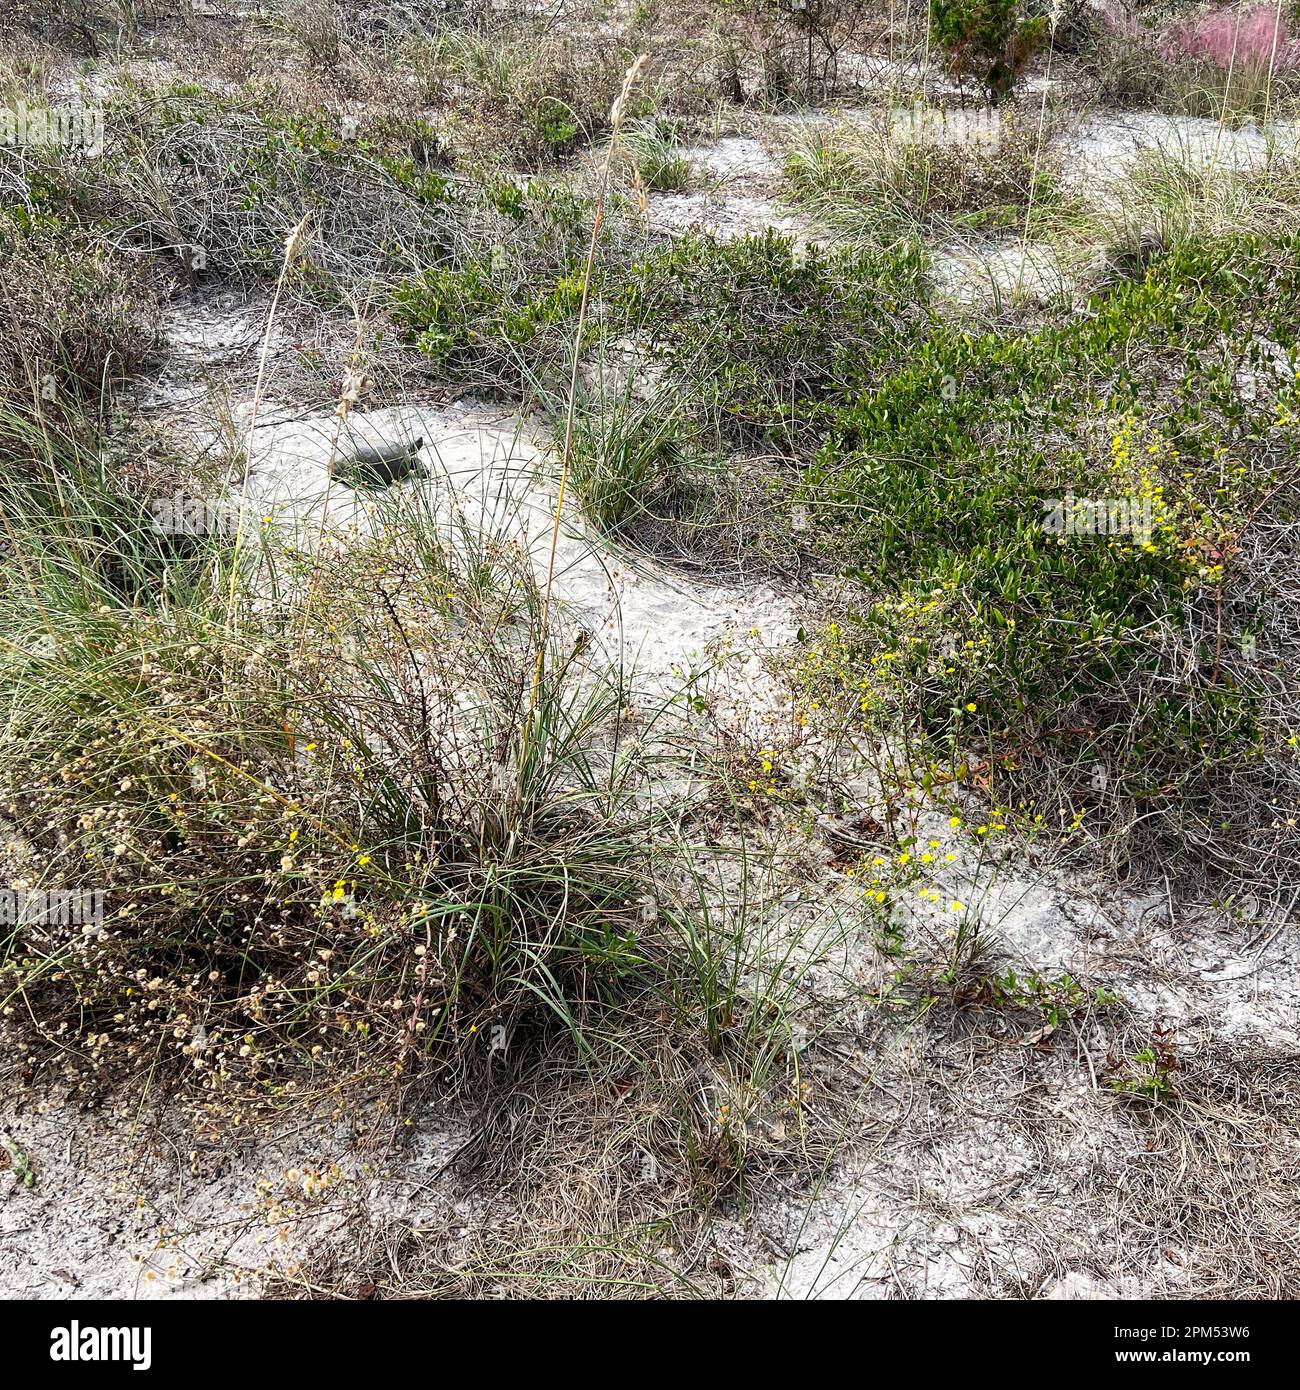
[{"x": 1253, "y": 36}]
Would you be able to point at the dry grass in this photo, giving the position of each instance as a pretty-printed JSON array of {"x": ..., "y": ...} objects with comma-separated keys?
[
  {"x": 81, "y": 319},
  {"x": 385, "y": 833},
  {"x": 947, "y": 173}
]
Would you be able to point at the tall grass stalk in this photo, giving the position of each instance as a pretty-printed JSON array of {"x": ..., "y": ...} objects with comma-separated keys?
[
  {"x": 292, "y": 249},
  {"x": 602, "y": 193}
]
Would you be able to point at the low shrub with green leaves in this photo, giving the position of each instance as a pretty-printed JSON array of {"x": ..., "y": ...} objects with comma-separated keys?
[
  {"x": 988, "y": 40},
  {"x": 499, "y": 310},
  {"x": 1052, "y": 644},
  {"x": 765, "y": 336}
]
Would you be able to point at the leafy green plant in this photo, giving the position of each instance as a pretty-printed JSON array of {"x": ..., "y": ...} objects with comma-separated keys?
[
  {"x": 1055, "y": 1000},
  {"x": 988, "y": 40},
  {"x": 1013, "y": 639},
  {"x": 1149, "y": 1073},
  {"x": 499, "y": 310},
  {"x": 19, "y": 1162},
  {"x": 766, "y": 336}
]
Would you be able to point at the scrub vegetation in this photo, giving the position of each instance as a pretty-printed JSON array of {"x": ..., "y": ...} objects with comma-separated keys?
[{"x": 390, "y": 832}]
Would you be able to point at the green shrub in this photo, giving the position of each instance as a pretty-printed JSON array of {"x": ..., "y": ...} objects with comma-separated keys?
[
  {"x": 1061, "y": 657},
  {"x": 498, "y": 311},
  {"x": 767, "y": 336},
  {"x": 988, "y": 40}
]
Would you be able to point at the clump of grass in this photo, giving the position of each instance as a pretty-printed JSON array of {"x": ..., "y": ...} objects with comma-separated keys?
[
  {"x": 92, "y": 27},
  {"x": 781, "y": 54},
  {"x": 647, "y": 470},
  {"x": 611, "y": 1186},
  {"x": 370, "y": 847},
  {"x": 211, "y": 183},
  {"x": 1143, "y": 64},
  {"x": 929, "y": 171},
  {"x": 314, "y": 26},
  {"x": 1171, "y": 196},
  {"x": 369, "y": 842},
  {"x": 80, "y": 318},
  {"x": 525, "y": 100},
  {"x": 327, "y": 824},
  {"x": 653, "y": 152},
  {"x": 631, "y": 459}
]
